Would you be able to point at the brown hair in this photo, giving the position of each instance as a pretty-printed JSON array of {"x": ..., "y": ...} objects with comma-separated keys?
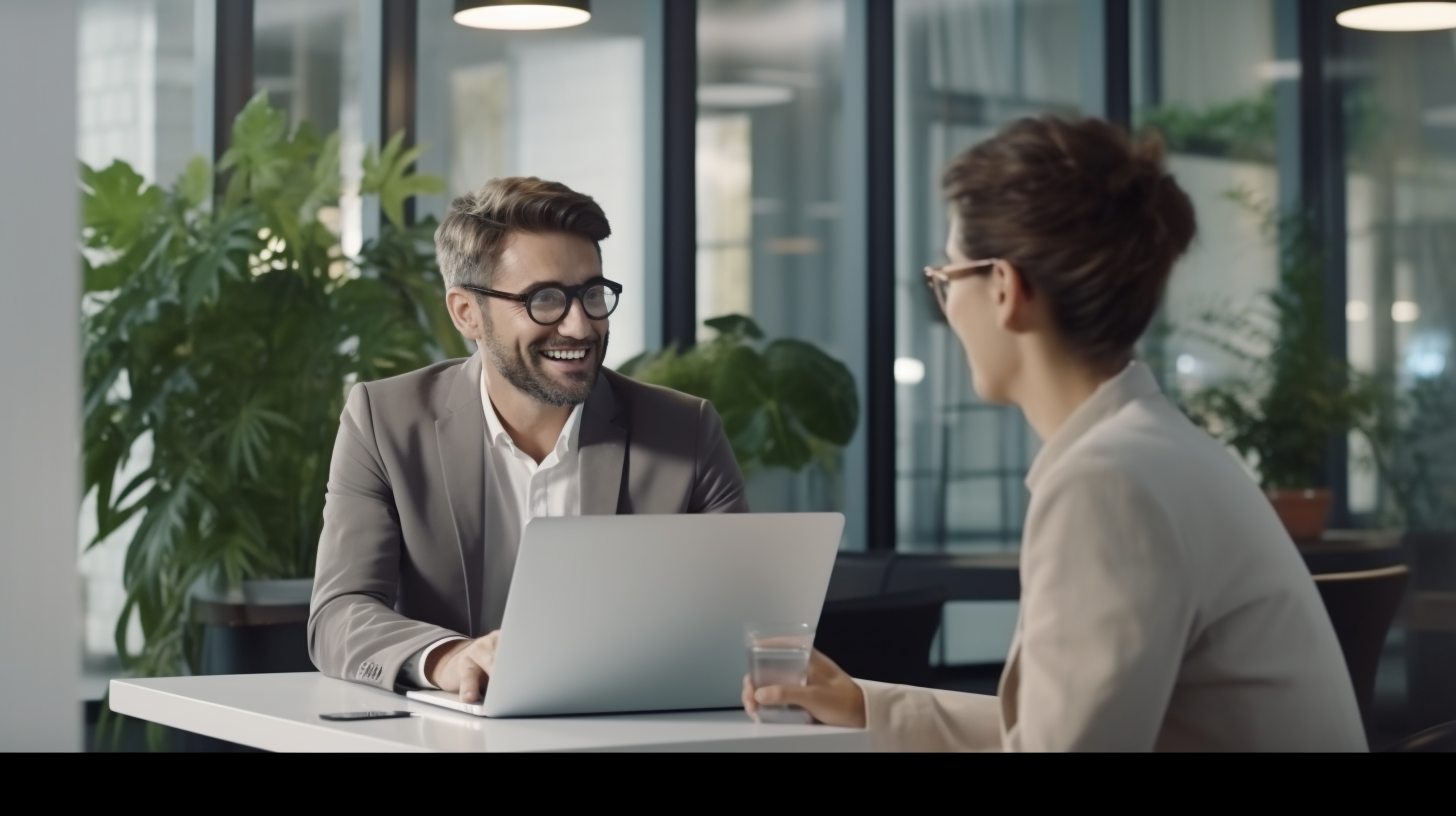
[
  {"x": 1088, "y": 215},
  {"x": 470, "y": 239}
]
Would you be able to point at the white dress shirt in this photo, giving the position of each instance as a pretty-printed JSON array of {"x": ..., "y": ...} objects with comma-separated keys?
[
  {"x": 517, "y": 490},
  {"x": 1163, "y": 607}
]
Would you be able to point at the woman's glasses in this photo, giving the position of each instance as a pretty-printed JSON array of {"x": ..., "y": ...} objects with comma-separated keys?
[
  {"x": 939, "y": 278},
  {"x": 549, "y": 304}
]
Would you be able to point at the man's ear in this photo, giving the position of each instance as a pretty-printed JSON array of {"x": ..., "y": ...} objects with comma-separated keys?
[
  {"x": 1014, "y": 301},
  {"x": 465, "y": 313}
]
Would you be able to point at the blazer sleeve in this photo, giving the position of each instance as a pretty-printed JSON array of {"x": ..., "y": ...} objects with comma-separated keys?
[
  {"x": 1105, "y": 613},
  {"x": 718, "y": 487},
  {"x": 354, "y": 633},
  {"x": 905, "y": 718}
]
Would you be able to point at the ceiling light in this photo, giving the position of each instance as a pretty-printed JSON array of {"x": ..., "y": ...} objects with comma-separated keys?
[
  {"x": 522, "y": 15},
  {"x": 1400, "y": 17},
  {"x": 743, "y": 95}
]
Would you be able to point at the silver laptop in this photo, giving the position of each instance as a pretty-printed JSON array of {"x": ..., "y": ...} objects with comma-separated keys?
[{"x": 646, "y": 613}]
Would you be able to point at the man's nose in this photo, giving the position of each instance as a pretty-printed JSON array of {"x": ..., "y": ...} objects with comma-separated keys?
[{"x": 576, "y": 325}]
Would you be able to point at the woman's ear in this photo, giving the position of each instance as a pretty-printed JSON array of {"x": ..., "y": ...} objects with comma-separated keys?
[{"x": 1014, "y": 302}]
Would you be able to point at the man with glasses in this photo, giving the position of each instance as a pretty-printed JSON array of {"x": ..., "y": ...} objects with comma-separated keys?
[{"x": 436, "y": 473}]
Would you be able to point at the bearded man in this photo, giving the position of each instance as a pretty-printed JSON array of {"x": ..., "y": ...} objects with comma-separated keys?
[{"x": 436, "y": 473}]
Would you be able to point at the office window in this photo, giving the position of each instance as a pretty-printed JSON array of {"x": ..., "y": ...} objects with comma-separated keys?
[
  {"x": 564, "y": 105},
  {"x": 1209, "y": 77},
  {"x": 307, "y": 56},
  {"x": 135, "y": 103},
  {"x": 964, "y": 70},
  {"x": 1400, "y": 106},
  {"x": 771, "y": 198}
]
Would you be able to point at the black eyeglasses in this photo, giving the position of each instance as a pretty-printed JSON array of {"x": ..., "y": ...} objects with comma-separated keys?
[{"x": 549, "y": 304}]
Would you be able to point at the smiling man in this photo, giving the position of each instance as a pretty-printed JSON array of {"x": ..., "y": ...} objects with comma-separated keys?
[{"x": 436, "y": 473}]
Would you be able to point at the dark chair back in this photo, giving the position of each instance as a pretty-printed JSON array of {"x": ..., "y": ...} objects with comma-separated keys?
[
  {"x": 1438, "y": 740},
  {"x": 884, "y": 637},
  {"x": 1362, "y": 606}
]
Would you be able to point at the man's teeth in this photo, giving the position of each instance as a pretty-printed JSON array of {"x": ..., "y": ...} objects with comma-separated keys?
[{"x": 566, "y": 355}]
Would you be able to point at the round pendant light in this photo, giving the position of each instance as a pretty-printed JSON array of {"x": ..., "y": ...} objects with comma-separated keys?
[
  {"x": 522, "y": 15},
  {"x": 1400, "y": 17}
]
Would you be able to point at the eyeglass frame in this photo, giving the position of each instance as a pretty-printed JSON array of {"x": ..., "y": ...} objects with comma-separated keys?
[
  {"x": 573, "y": 293},
  {"x": 949, "y": 273}
]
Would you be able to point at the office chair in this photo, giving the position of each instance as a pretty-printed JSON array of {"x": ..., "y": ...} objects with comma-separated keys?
[
  {"x": 1362, "y": 605},
  {"x": 1438, "y": 740},
  {"x": 883, "y": 637}
]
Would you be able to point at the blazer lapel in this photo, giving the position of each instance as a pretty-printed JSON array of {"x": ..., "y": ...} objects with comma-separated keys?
[
  {"x": 460, "y": 435},
  {"x": 603, "y": 444}
]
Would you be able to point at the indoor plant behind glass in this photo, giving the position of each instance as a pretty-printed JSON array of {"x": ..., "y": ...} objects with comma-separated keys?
[
  {"x": 1296, "y": 396},
  {"x": 222, "y": 333},
  {"x": 786, "y": 406}
]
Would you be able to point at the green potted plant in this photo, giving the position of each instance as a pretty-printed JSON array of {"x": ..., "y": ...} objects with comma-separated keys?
[
  {"x": 786, "y": 406},
  {"x": 225, "y": 331},
  {"x": 1295, "y": 396}
]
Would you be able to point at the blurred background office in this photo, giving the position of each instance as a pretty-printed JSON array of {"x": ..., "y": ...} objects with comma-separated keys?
[{"x": 775, "y": 160}]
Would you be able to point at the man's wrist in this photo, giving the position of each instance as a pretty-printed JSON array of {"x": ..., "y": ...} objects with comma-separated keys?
[{"x": 438, "y": 659}]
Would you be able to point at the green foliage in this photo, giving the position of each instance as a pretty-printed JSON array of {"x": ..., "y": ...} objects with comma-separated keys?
[
  {"x": 1413, "y": 442},
  {"x": 388, "y": 176},
  {"x": 223, "y": 335},
  {"x": 786, "y": 406},
  {"x": 1297, "y": 396},
  {"x": 1244, "y": 129}
]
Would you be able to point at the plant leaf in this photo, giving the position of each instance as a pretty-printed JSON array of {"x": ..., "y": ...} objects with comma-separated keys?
[{"x": 818, "y": 389}]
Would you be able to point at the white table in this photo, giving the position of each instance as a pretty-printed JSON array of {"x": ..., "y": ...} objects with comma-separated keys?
[{"x": 280, "y": 712}]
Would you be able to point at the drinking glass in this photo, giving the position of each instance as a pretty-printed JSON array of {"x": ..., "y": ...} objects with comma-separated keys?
[{"x": 778, "y": 655}]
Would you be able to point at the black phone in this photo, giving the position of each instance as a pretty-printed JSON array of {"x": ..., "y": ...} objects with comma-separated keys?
[{"x": 353, "y": 716}]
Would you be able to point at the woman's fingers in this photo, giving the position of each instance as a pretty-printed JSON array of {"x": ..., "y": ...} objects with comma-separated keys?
[{"x": 750, "y": 705}]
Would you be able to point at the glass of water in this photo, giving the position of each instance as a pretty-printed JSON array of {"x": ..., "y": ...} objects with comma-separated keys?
[{"x": 778, "y": 655}]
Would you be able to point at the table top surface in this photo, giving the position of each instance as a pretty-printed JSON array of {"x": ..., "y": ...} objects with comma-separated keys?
[{"x": 280, "y": 712}]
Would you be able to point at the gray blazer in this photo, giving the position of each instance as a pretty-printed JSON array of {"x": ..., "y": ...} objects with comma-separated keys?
[{"x": 401, "y": 561}]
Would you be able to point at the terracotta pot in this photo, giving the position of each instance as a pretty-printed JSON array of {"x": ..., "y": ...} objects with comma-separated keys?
[{"x": 1304, "y": 512}]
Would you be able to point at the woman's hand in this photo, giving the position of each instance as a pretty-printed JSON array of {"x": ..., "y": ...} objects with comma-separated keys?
[{"x": 831, "y": 696}]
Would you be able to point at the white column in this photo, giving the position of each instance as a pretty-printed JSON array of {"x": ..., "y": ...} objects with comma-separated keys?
[{"x": 40, "y": 378}]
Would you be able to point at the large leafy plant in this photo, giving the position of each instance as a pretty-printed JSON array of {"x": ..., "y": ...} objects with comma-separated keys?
[
  {"x": 221, "y": 333},
  {"x": 1296, "y": 396},
  {"x": 787, "y": 405}
]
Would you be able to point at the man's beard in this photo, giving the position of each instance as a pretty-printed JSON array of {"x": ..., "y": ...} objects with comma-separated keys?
[{"x": 529, "y": 378}]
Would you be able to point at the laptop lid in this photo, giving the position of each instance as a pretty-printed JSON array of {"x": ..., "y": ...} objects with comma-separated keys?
[{"x": 646, "y": 613}]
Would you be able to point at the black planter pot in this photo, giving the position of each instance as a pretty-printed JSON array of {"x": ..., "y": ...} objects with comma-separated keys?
[{"x": 261, "y": 630}]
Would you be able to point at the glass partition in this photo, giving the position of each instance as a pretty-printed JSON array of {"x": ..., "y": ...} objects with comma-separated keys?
[
  {"x": 307, "y": 56},
  {"x": 964, "y": 70},
  {"x": 1400, "y": 105},
  {"x": 771, "y": 198},
  {"x": 135, "y": 87},
  {"x": 565, "y": 105}
]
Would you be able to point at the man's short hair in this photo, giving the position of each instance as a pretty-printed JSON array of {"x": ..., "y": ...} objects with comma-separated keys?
[{"x": 470, "y": 239}]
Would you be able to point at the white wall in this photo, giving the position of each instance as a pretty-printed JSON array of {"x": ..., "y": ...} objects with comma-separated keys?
[{"x": 40, "y": 396}]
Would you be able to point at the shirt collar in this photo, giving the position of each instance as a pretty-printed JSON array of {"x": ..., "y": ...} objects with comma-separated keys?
[
  {"x": 1135, "y": 382},
  {"x": 496, "y": 434}
]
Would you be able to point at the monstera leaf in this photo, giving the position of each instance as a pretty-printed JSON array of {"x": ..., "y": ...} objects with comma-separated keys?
[{"x": 786, "y": 406}]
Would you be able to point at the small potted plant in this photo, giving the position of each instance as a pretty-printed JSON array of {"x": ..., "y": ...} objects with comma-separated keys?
[{"x": 1295, "y": 396}]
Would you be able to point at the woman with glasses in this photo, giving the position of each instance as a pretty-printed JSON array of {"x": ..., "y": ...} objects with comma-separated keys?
[{"x": 1163, "y": 605}]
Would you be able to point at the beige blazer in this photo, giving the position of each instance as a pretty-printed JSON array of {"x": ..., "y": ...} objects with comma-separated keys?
[
  {"x": 1163, "y": 608},
  {"x": 401, "y": 561}
]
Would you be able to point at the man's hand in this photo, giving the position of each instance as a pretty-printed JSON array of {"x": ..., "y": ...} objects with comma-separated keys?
[
  {"x": 463, "y": 666},
  {"x": 831, "y": 696}
]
